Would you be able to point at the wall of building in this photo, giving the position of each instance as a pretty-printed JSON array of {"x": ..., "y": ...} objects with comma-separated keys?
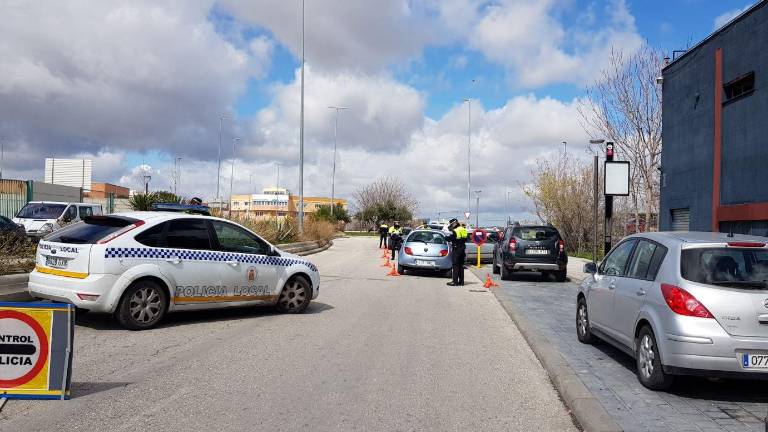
[
  {"x": 689, "y": 91},
  {"x": 54, "y": 192},
  {"x": 102, "y": 190}
]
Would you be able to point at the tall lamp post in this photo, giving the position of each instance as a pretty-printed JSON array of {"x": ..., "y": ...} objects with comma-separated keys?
[
  {"x": 335, "y": 134},
  {"x": 469, "y": 159},
  {"x": 218, "y": 169},
  {"x": 2, "y": 155},
  {"x": 232, "y": 175},
  {"x": 277, "y": 188},
  {"x": 595, "y": 197},
  {"x": 301, "y": 131},
  {"x": 477, "y": 209}
]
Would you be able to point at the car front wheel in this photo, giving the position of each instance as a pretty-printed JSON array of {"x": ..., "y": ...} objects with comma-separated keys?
[
  {"x": 649, "y": 369},
  {"x": 583, "y": 330},
  {"x": 142, "y": 306},
  {"x": 295, "y": 296}
]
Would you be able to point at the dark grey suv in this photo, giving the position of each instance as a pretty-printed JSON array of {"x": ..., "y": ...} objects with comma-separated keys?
[{"x": 530, "y": 248}]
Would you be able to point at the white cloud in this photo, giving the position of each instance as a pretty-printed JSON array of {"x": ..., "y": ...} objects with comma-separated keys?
[
  {"x": 528, "y": 39},
  {"x": 726, "y": 17},
  {"x": 82, "y": 76}
]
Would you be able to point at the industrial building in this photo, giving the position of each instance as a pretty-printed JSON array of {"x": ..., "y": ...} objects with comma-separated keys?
[
  {"x": 278, "y": 202},
  {"x": 715, "y": 160}
]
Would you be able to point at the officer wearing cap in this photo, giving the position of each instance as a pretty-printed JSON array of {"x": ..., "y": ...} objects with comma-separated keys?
[
  {"x": 457, "y": 237},
  {"x": 395, "y": 237},
  {"x": 383, "y": 233}
]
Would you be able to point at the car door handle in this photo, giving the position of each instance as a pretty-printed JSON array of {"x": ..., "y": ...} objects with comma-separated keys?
[
  {"x": 640, "y": 293},
  {"x": 233, "y": 263},
  {"x": 173, "y": 260}
]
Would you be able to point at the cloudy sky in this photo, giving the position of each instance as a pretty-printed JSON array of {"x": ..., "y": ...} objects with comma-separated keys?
[{"x": 132, "y": 82}]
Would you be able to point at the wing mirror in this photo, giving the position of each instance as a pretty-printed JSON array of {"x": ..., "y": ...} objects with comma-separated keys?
[
  {"x": 274, "y": 252},
  {"x": 590, "y": 268}
]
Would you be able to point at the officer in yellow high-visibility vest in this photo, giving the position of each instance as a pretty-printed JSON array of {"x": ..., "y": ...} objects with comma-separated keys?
[
  {"x": 458, "y": 240},
  {"x": 383, "y": 233},
  {"x": 395, "y": 238}
]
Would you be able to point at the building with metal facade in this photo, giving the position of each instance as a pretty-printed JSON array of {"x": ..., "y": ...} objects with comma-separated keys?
[{"x": 715, "y": 131}]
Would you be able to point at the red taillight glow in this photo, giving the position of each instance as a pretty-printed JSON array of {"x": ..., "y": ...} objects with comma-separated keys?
[
  {"x": 561, "y": 245},
  {"x": 408, "y": 251},
  {"x": 746, "y": 244},
  {"x": 683, "y": 303},
  {"x": 89, "y": 297},
  {"x": 512, "y": 245},
  {"x": 444, "y": 252},
  {"x": 120, "y": 232}
]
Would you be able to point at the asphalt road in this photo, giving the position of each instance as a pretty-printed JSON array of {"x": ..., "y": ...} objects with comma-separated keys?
[{"x": 372, "y": 353}]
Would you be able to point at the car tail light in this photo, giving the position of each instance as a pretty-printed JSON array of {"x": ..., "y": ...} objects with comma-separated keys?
[
  {"x": 408, "y": 251},
  {"x": 120, "y": 232},
  {"x": 89, "y": 297},
  {"x": 746, "y": 244},
  {"x": 561, "y": 245},
  {"x": 443, "y": 252},
  {"x": 683, "y": 303},
  {"x": 512, "y": 245}
]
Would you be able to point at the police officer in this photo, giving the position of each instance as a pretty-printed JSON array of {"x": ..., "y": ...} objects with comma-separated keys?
[
  {"x": 458, "y": 239},
  {"x": 395, "y": 238},
  {"x": 383, "y": 233}
]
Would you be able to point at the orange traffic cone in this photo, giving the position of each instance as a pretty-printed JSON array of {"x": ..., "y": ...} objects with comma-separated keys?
[
  {"x": 385, "y": 253},
  {"x": 393, "y": 272},
  {"x": 489, "y": 283},
  {"x": 386, "y": 263}
]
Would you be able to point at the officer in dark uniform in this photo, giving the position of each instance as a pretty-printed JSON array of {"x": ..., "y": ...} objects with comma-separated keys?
[
  {"x": 395, "y": 238},
  {"x": 458, "y": 239},
  {"x": 383, "y": 233}
]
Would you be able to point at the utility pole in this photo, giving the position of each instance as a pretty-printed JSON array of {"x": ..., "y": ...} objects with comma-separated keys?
[
  {"x": 301, "y": 130},
  {"x": 146, "y": 177},
  {"x": 565, "y": 147},
  {"x": 595, "y": 198},
  {"x": 2, "y": 155},
  {"x": 608, "y": 205},
  {"x": 333, "y": 176},
  {"x": 232, "y": 175},
  {"x": 250, "y": 195},
  {"x": 218, "y": 170},
  {"x": 477, "y": 209},
  {"x": 277, "y": 188}
]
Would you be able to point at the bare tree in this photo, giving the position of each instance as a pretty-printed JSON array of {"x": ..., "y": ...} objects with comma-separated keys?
[
  {"x": 624, "y": 106},
  {"x": 385, "y": 199}
]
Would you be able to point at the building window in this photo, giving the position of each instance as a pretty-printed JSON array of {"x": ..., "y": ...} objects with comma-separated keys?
[{"x": 740, "y": 86}]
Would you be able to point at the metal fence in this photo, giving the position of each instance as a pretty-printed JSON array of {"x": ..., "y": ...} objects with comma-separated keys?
[{"x": 14, "y": 194}]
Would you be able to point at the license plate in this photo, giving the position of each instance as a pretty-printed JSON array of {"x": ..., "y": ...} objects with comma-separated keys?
[
  {"x": 425, "y": 263},
  {"x": 537, "y": 252},
  {"x": 56, "y": 262},
  {"x": 754, "y": 361}
]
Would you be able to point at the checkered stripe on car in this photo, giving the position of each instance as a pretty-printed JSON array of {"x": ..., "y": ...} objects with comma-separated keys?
[{"x": 194, "y": 255}]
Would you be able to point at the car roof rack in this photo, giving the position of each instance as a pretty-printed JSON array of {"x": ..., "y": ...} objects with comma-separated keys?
[{"x": 182, "y": 208}]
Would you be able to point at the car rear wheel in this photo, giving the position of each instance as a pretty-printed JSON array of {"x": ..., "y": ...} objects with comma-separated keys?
[
  {"x": 495, "y": 266},
  {"x": 649, "y": 369},
  {"x": 561, "y": 275},
  {"x": 142, "y": 306},
  {"x": 583, "y": 330},
  {"x": 400, "y": 269},
  {"x": 295, "y": 296}
]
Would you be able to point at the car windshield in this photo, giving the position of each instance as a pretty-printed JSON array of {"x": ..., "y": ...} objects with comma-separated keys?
[
  {"x": 41, "y": 211},
  {"x": 427, "y": 237},
  {"x": 726, "y": 266},
  {"x": 90, "y": 230},
  {"x": 535, "y": 233}
]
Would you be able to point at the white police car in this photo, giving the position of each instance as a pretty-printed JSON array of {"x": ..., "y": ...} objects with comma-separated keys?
[{"x": 140, "y": 265}]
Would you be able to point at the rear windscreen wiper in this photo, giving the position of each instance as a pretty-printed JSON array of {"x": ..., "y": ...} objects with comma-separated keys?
[{"x": 753, "y": 284}]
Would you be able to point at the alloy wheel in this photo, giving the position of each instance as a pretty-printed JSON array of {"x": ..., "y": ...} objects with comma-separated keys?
[
  {"x": 582, "y": 319},
  {"x": 145, "y": 305},
  {"x": 646, "y": 356},
  {"x": 293, "y": 295}
]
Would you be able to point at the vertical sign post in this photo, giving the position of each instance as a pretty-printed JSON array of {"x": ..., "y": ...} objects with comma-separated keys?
[{"x": 608, "y": 228}]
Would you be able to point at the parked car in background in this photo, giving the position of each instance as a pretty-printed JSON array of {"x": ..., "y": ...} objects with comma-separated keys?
[
  {"x": 425, "y": 250},
  {"x": 41, "y": 218},
  {"x": 681, "y": 303},
  {"x": 486, "y": 250},
  {"x": 531, "y": 248}
]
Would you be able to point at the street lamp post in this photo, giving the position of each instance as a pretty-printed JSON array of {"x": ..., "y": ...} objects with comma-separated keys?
[
  {"x": 477, "y": 209},
  {"x": 218, "y": 170},
  {"x": 333, "y": 176},
  {"x": 146, "y": 177},
  {"x": 595, "y": 197},
  {"x": 232, "y": 175},
  {"x": 2, "y": 155},
  {"x": 277, "y": 189},
  {"x": 301, "y": 131},
  {"x": 469, "y": 159}
]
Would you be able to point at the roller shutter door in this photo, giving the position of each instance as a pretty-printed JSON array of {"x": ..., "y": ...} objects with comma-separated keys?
[{"x": 681, "y": 219}]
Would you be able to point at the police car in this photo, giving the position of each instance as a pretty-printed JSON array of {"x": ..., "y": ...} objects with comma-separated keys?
[{"x": 141, "y": 265}]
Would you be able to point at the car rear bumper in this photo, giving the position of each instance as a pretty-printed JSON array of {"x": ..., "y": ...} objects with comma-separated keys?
[
  {"x": 536, "y": 266},
  {"x": 436, "y": 263},
  {"x": 65, "y": 289},
  {"x": 713, "y": 352}
]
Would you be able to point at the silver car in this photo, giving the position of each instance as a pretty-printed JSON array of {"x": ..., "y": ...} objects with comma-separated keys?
[
  {"x": 486, "y": 250},
  {"x": 681, "y": 303},
  {"x": 424, "y": 250}
]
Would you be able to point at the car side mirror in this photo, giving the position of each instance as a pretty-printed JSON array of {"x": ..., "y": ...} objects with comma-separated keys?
[
  {"x": 274, "y": 252},
  {"x": 590, "y": 268}
]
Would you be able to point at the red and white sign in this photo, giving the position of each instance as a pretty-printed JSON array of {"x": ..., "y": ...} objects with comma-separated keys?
[
  {"x": 23, "y": 348},
  {"x": 479, "y": 237}
]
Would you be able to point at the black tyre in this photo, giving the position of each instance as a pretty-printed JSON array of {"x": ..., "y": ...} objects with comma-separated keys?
[
  {"x": 560, "y": 275},
  {"x": 495, "y": 266},
  {"x": 400, "y": 269},
  {"x": 505, "y": 273},
  {"x": 142, "y": 306},
  {"x": 295, "y": 296},
  {"x": 650, "y": 372},
  {"x": 583, "y": 329}
]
